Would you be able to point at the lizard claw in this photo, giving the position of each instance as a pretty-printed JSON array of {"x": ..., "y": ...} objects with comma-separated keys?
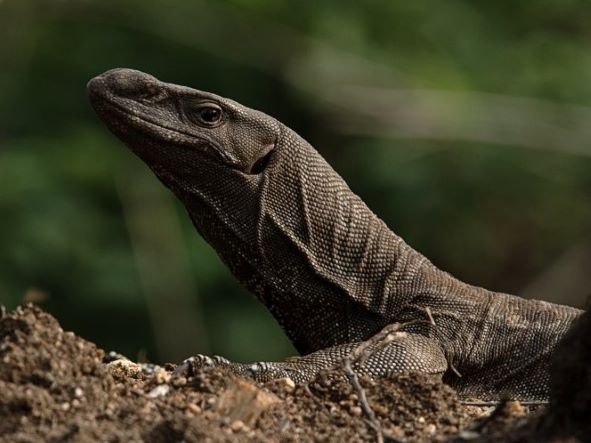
[
  {"x": 258, "y": 367},
  {"x": 190, "y": 365},
  {"x": 261, "y": 371}
]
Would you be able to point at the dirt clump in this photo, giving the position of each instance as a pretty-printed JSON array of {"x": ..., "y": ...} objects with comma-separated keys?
[
  {"x": 569, "y": 412},
  {"x": 58, "y": 387}
]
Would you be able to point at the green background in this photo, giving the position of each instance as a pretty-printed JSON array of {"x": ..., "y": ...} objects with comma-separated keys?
[{"x": 466, "y": 125}]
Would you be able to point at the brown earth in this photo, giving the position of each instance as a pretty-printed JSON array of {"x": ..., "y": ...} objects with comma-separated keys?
[{"x": 57, "y": 387}]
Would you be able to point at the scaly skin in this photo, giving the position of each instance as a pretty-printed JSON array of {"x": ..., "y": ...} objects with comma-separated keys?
[{"x": 329, "y": 270}]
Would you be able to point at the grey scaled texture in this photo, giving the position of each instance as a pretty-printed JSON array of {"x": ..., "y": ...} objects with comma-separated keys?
[{"x": 329, "y": 270}]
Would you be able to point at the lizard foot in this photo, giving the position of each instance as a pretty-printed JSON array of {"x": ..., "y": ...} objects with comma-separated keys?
[
  {"x": 260, "y": 371},
  {"x": 406, "y": 352},
  {"x": 190, "y": 365}
]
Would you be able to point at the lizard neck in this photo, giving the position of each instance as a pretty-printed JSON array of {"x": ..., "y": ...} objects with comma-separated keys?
[
  {"x": 307, "y": 246},
  {"x": 327, "y": 253}
]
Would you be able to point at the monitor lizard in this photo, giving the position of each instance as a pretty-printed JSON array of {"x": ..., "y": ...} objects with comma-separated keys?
[{"x": 329, "y": 270}]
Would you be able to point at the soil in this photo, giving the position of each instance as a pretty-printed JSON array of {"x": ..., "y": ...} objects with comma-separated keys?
[{"x": 58, "y": 387}]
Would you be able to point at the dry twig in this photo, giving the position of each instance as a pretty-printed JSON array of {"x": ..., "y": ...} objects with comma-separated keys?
[{"x": 358, "y": 356}]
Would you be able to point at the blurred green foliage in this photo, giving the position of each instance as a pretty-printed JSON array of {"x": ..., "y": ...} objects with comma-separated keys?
[{"x": 465, "y": 125}]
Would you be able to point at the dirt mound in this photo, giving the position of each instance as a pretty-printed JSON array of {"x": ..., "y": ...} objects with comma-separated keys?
[
  {"x": 58, "y": 387},
  {"x": 570, "y": 388}
]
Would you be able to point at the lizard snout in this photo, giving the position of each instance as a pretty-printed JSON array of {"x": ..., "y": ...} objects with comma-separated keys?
[{"x": 123, "y": 82}]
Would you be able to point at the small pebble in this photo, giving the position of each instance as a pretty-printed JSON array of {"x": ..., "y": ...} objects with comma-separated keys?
[
  {"x": 161, "y": 376},
  {"x": 178, "y": 381},
  {"x": 286, "y": 383},
  {"x": 515, "y": 408},
  {"x": 468, "y": 435},
  {"x": 237, "y": 426},
  {"x": 356, "y": 411},
  {"x": 159, "y": 391},
  {"x": 195, "y": 409}
]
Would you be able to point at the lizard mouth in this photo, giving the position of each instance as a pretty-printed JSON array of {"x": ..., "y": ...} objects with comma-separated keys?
[
  {"x": 111, "y": 106},
  {"x": 122, "y": 107}
]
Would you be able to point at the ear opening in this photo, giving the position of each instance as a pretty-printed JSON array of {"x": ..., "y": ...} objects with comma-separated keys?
[{"x": 261, "y": 163}]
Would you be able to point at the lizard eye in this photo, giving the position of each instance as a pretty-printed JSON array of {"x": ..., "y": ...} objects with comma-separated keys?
[{"x": 208, "y": 114}]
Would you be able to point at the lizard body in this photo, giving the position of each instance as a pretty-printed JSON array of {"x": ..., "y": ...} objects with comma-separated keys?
[{"x": 329, "y": 270}]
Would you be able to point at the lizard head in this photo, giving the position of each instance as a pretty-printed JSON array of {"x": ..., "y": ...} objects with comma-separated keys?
[
  {"x": 169, "y": 126},
  {"x": 212, "y": 152}
]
